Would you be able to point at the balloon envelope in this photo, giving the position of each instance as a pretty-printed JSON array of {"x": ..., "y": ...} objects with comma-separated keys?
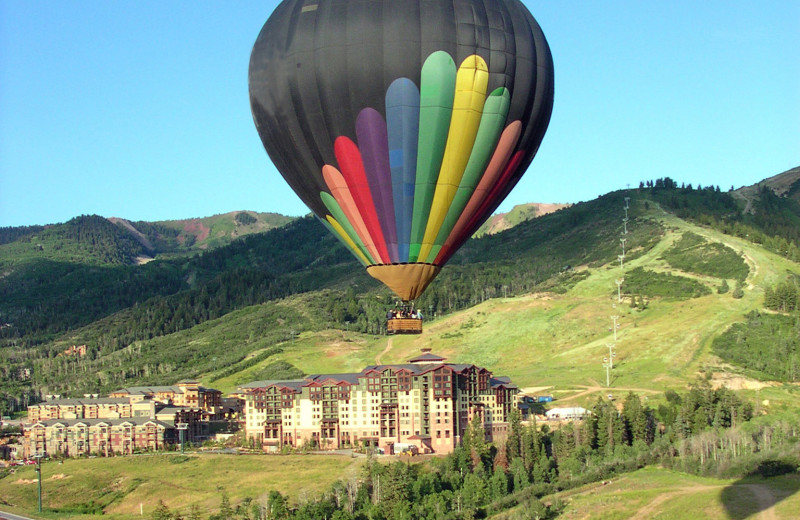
[{"x": 401, "y": 124}]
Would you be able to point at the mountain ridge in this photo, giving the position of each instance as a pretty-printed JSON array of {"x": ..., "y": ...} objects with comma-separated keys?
[
  {"x": 295, "y": 285},
  {"x": 516, "y": 215}
]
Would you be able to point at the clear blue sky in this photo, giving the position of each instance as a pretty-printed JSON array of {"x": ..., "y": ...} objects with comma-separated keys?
[{"x": 140, "y": 109}]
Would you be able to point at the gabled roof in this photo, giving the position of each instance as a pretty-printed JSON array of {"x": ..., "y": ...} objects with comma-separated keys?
[
  {"x": 173, "y": 409},
  {"x": 459, "y": 367},
  {"x": 136, "y": 421},
  {"x": 83, "y": 401},
  {"x": 351, "y": 378},
  {"x": 291, "y": 383},
  {"x": 497, "y": 382},
  {"x": 427, "y": 358},
  {"x": 416, "y": 369},
  {"x": 145, "y": 390}
]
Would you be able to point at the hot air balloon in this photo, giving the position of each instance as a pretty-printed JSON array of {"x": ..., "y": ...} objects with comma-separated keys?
[{"x": 402, "y": 124}]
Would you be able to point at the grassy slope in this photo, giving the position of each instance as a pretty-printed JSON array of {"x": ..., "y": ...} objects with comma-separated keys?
[
  {"x": 654, "y": 493},
  {"x": 541, "y": 340},
  {"x": 223, "y": 228},
  {"x": 560, "y": 340},
  {"x": 122, "y": 483}
]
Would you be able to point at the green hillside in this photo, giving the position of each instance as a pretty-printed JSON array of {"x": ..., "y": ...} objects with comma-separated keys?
[
  {"x": 517, "y": 215},
  {"x": 705, "y": 299},
  {"x": 547, "y": 284},
  {"x": 175, "y": 237}
]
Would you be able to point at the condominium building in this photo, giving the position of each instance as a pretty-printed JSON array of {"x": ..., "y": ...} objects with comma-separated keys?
[
  {"x": 85, "y": 408},
  {"x": 426, "y": 404},
  {"x": 188, "y": 394},
  {"x": 105, "y": 426},
  {"x": 74, "y": 437}
]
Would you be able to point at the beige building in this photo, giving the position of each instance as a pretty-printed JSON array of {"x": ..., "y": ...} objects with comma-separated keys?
[
  {"x": 425, "y": 404},
  {"x": 74, "y": 437},
  {"x": 189, "y": 394},
  {"x": 85, "y": 408},
  {"x": 115, "y": 425}
]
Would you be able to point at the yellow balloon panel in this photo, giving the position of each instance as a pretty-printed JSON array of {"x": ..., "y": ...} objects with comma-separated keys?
[{"x": 408, "y": 281}]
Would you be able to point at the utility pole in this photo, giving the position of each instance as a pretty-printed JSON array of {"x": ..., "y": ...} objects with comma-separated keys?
[
  {"x": 627, "y": 204},
  {"x": 625, "y": 223},
  {"x": 616, "y": 326},
  {"x": 619, "y": 289},
  {"x": 611, "y": 354},
  {"x": 38, "y": 458},
  {"x": 621, "y": 258},
  {"x": 623, "y": 240},
  {"x": 607, "y": 366}
]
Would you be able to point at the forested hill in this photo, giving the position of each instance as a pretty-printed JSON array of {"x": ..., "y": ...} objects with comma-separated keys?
[
  {"x": 200, "y": 234},
  {"x": 185, "y": 316},
  {"x": 42, "y": 297},
  {"x": 97, "y": 240}
]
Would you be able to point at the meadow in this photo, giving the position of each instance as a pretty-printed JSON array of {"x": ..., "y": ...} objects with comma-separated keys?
[{"x": 122, "y": 487}]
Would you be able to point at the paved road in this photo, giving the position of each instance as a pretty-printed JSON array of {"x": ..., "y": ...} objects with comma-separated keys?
[{"x": 9, "y": 516}]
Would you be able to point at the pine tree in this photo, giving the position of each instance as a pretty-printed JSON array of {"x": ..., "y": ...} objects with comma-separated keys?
[
  {"x": 499, "y": 484},
  {"x": 771, "y": 298},
  {"x": 161, "y": 512},
  {"x": 635, "y": 418},
  {"x": 474, "y": 441},
  {"x": 519, "y": 474},
  {"x": 530, "y": 446},
  {"x": 514, "y": 442}
]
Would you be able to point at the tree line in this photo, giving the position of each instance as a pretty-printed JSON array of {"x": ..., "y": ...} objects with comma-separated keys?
[{"x": 702, "y": 431}]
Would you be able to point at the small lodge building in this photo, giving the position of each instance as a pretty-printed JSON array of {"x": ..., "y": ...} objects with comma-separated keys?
[
  {"x": 426, "y": 404},
  {"x": 567, "y": 414}
]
